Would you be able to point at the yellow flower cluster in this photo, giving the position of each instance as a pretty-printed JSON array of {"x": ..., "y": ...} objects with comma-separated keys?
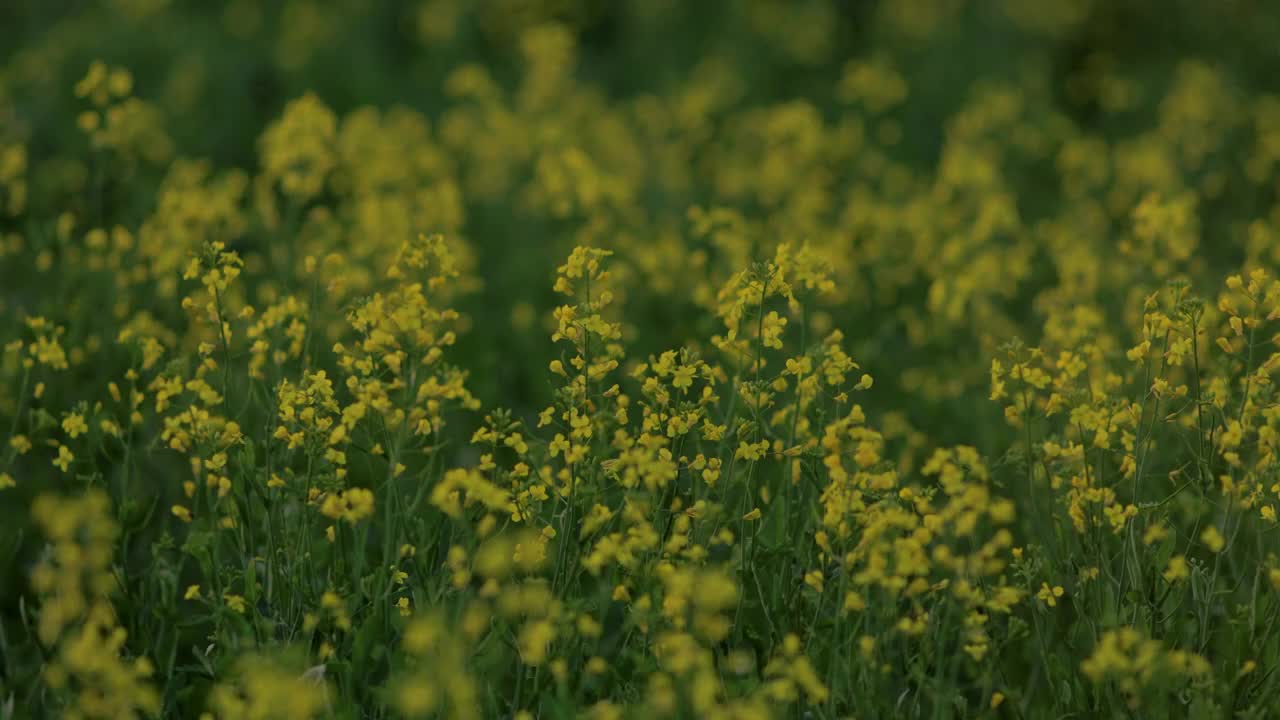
[{"x": 88, "y": 665}]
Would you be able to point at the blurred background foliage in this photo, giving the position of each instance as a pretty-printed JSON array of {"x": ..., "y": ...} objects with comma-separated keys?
[{"x": 219, "y": 72}]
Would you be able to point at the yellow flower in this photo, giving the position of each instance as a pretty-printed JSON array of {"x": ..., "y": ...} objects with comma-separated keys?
[
  {"x": 533, "y": 640},
  {"x": 74, "y": 425},
  {"x": 559, "y": 444},
  {"x": 352, "y": 505},
  {"x": 298, "y": 151},
  {"x": 1049, "y": 595},
  {"x": 235, "y": 602},
  {"x": 64, "y": 459},
  {"x": 1213, "y": 539},
  {"x": 711, "y": 431},
  {"x": 193, "y": 593},
  {"x": 683, "y": 377},
  {"x": 815, "y": 580},
  {"x": 751, "y": 451},
  {"x": 1155, "y": 533},
  {"x": 1139, "y": 351}
]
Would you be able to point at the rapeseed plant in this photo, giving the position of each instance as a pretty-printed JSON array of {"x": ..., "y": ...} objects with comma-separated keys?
[{"x": 540, "y": 387}]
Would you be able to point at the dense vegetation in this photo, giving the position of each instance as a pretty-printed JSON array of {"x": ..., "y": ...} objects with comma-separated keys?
[{"x": 725, "y": 359}]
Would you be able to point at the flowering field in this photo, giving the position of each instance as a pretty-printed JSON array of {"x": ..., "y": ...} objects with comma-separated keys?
[{"x": 643, "y": 359}]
